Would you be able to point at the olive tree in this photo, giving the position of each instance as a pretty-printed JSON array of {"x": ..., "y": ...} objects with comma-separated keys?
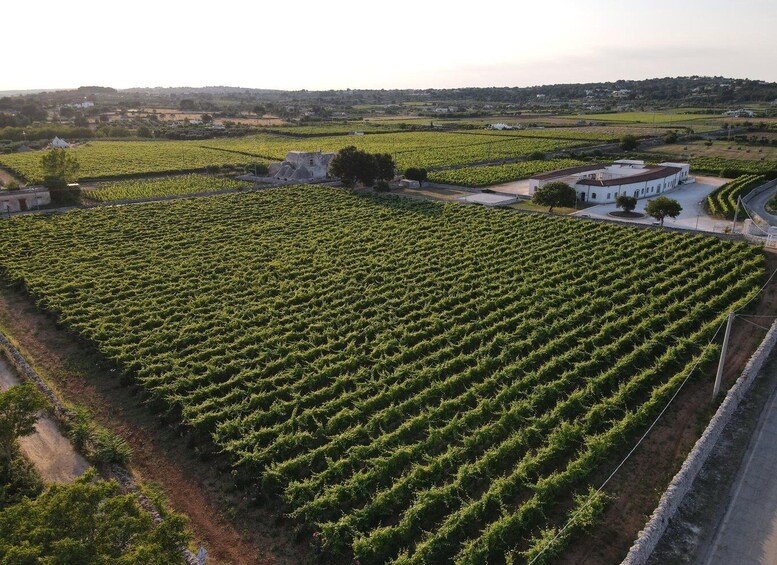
[
  {"x": 627, "y": 203},
  {"x": 661, "y": 207},
  {"x": 555, "y": 194}
]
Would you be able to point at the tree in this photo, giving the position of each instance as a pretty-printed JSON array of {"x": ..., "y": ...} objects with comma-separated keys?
[
  {"x": 555, "y": 194},
  {"x": 415, "y": 173},
  {"x": 352, "y": 165},
  {"x": 670, "y": 137},
  {"x": 384, "y": 165},
  {"x": 143, "y": 131},
  {"x": 661, "y": 207},
  {"x": 59, "y": 168},
  {"x": 19, "y": 407},
  {"x": 628, "y": 203},
  {"x": 89, "y": 521},
  {"x": 206, "y": 118},
  {"x": 629, "y": 142}
]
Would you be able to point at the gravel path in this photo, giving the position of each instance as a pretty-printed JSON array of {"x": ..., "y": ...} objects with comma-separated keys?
[{"x": 47, "y": 448}]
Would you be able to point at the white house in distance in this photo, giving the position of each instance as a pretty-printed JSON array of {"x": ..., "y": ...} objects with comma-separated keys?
[
  {"x": 58, "y": 143},
  {"x": 302, "y": 166},
  {"x": 604, "y": 183}
]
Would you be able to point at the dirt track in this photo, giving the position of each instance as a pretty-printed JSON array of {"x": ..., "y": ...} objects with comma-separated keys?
[
  {"x": 50, "y": 452},
  {"x": 232, "y": 527}
]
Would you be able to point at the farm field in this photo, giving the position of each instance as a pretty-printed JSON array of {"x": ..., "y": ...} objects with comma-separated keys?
[
  {"x": 732, "y": 150},
  {"x": 160, "y": 186},
  {"x": 496, "y": 174},
  {"x": 420, "y": 382},
  {"x": 105, "y": 159}
]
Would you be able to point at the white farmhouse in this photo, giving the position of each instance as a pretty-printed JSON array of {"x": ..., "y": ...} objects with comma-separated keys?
[
  {"x": 302, "y": 166},
  {"x": 58, "y": 143},
  {"x": 604, "y": 183}
]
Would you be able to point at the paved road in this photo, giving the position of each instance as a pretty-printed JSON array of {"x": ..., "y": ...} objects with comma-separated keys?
[
  {"x": 50, "y": 452},
  {"x": 757, "y": 204},
  {"x": 747, "y": 534}
]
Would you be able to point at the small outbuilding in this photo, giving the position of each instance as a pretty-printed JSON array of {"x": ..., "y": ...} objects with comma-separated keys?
[{"x": 23, "y": 199}]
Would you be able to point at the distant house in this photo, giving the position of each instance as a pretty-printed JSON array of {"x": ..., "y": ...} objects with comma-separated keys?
[
  {"x": 622, "y": 93},
  {"x": 302, "y": 166},
  {"x": 499, "y": 126},
  {"x": 58, "y": 143},
  {"x": 741, "y": 113}
]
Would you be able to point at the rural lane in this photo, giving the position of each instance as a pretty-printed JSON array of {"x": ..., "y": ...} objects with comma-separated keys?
[
  {"x": 50, "y": 452},
  {"x": 747, "y": 535}
]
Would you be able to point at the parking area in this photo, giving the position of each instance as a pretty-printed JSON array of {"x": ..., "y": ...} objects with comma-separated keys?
[{"x": 690, "y": 196}]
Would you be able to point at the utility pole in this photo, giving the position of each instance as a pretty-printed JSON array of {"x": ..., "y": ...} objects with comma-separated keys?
[
  {"x": 736, "y": 213},
  {"x": 721, "y": 363}
]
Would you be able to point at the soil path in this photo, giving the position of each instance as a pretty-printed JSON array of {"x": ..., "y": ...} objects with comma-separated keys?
[
  {"x": 233, "y": 527},
  {"x": 50, "y": 452}
]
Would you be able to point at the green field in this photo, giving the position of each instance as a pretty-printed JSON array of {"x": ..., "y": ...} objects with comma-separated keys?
[
  {"x": 659, "y": 118},
  {"x": 105, "y": 159},
  {"x": 100, "y": 159},
  {"x": 496, "y": 174},
  {"x": 162, "y": 186},
  {"x": 420, "y": 382}
]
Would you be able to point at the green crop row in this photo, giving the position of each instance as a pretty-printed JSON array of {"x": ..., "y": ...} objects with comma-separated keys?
[
  {"x": 496, "y": 174},
  {"x": 723, "y": 201},
  {"x": 418, "y": 382},
  {"x": 163, "y": 186}
]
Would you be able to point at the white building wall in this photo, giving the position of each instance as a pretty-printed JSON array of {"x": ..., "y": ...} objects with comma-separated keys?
[
  {"x": 19, "y": 201},
  {"x": 642, "y": 189}
]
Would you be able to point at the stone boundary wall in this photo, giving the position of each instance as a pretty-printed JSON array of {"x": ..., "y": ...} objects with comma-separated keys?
[
  {"x": 63, "y": 415},
  {"x": 649, "y": 537}
]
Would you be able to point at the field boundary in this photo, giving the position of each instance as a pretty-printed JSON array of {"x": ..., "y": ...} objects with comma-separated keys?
[
  {"x": 62, "y": 415},
  {"x": 651, "y": 534}
]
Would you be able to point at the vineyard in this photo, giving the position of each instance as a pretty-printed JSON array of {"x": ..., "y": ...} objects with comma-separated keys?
[
  {"x": 495, "y": 174},
  {"x": 420, "y": 382},
  {"x": 100, "y": 159},
  {"x": 107, "y": 159},
  {"x": 163, "y": 186},
  {"x": 723, "y": 201}
]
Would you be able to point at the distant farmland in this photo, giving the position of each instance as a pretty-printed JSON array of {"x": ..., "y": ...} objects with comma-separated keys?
[{"x": 421, "y": 383}]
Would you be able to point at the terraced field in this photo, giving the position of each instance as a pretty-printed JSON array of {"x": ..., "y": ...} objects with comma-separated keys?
[{"x": 421, "y": 383}]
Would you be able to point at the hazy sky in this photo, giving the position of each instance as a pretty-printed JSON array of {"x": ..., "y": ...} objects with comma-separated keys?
[{"x": 317, "y": 44}]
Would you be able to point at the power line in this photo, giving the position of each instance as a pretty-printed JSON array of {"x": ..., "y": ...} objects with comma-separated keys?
[
  {"x": 754, "y": 324},
  {"x": 652, "y": 425},
  {"x": 633, "y": 449}
]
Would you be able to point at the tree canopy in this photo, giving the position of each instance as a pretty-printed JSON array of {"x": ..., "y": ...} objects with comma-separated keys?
[
  {"x": 629, "y": 142},
  {"x": 88, "y": 522},
  {"x": 19, "y": 407},
  {"x": 416, "y": 173},
  {"x": 352, "y": 165},
  {"x": 59, "y": 168},
  {"x": 662, "y": 207},
  {"x": 555, "y": 194},
  {"x": 627, "y": 203}
]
